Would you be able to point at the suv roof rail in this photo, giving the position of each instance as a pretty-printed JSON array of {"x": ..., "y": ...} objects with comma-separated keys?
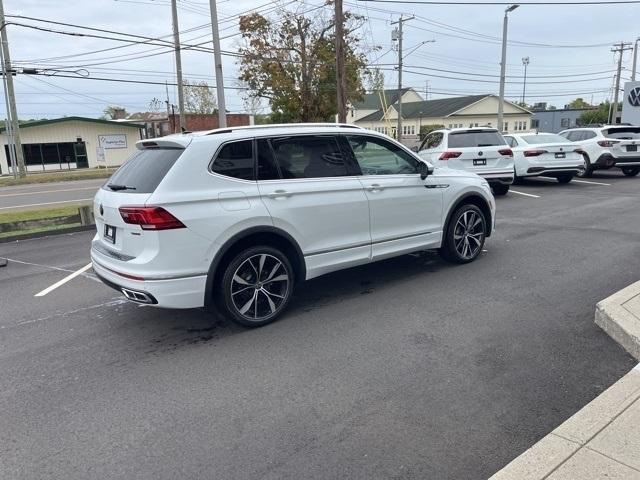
[{"x": 280, "y": 125}]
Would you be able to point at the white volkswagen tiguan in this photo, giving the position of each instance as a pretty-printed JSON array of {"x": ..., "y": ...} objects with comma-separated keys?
[
  {"x": 234, "y": 218},
  {"x": 480, "y": 150}
]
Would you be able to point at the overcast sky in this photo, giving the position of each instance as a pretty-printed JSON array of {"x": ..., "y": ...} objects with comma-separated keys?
[{"x": 467, "y": 47}]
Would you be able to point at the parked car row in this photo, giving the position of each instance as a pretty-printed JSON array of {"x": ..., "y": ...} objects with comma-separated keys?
[{"x": 503, "y": 160}]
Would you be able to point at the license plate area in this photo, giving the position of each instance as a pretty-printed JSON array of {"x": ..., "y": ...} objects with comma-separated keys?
[
  {"x": 632, "y": 148},
  {"x": 479, "y": 161},
  {"x": 110, "y": 233},
  {"x": 561, "y": 155}
]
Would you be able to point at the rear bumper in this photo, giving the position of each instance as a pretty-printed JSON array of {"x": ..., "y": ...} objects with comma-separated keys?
[
  {"x": 542, "y": 170},
  {"x": 607, "y": 160},
  {"x": 183, "y": 292}
]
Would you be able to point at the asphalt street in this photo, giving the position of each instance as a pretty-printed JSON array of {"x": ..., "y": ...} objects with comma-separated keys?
[
  {"x": 45, "y": 195},
  {"x": 408, "y": 369}
]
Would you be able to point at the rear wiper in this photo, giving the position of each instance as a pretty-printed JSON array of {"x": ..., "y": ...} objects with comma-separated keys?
[{"x": 115, "y": 187}]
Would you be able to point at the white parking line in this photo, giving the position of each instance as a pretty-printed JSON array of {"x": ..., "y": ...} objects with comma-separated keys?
[
  {"x": 47, "y": 191},
  {"x": 525, "y": 194},
  {"x": 63, "y": 281},
  {"x": 48, "y": 203},
  {"x": 593, "y": 183}
]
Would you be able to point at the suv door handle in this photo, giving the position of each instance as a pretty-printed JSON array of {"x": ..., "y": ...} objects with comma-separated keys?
[
  {"x": 374, "y": 187},
  {"x": 279, "y": 193}
]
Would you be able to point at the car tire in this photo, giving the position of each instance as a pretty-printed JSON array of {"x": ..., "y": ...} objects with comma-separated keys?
[
  {"x": 564, "y": 178},
  {"x": 464, "y": 237},
  {"x": 630, "y": 171},
  {"x": 499, "y": 189},
  {"x": 256, "y": 286},
  {"x": 516, "y": 179},
  {"x": 588, "y": 169}
]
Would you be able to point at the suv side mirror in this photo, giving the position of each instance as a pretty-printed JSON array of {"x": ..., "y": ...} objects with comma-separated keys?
[{"x": 425, "y": 169}]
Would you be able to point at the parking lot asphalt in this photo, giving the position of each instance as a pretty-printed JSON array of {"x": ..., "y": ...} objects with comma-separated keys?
[
  {"x": 42, "y": 195},
  {"x": 408, "y": 368}
]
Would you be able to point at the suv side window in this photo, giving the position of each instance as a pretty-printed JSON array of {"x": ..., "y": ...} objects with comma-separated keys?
[
  {"x": 511, "y": 141},
  {"x": 235, "y": 160},
  {"x": 377, "y": 156},
  {"x": 586, "y": 135},
  {"x": 309, "y": 157},
  {"x": 574, "y": 135},
  {"x": 267, "y": 167}
]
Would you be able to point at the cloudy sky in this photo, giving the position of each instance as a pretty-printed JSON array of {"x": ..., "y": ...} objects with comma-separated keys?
[{"x": 569, "y": 49}]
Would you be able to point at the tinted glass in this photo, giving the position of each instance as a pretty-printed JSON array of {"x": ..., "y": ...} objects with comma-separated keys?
[
  {"x": 624, "y": 133},
  {"x": 235, "y": 160},
  {"x": 543, "y": 138},
  {"x": 267, "y": 168},
  {"x": 478, "y": 138},
  {"x": 511, "y": 141},
  {"x": 587, "y": 135},
  {"x": 380, "y": 157},
  {"x": 145, "y": 169},
  {"x": 309, "y": 157},
  {"x": 431, "y": 141}
]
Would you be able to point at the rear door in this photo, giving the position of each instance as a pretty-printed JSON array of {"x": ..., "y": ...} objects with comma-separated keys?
[
  {"x": 317, "y": 198},
  {"x": 482, "y": 151},
  {"x": 131, "y": 185}
]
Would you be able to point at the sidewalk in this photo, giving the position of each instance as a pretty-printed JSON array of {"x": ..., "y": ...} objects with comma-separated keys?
[{"x": 603, "y": 439}]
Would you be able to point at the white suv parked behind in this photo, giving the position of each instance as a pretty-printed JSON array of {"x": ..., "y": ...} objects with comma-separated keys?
[
  {"x": 607, "y": 147},
  {"x": 479, "y": 150},
  {"x": 236, "y": 217}
]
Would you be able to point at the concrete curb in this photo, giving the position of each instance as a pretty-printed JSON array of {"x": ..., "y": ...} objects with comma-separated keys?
[
  {"x": 595, "y": 442},
  {"x": 615, "y": 315},
  {"x": 586, "y": 446},
  {"x": 62, "y": 231}
]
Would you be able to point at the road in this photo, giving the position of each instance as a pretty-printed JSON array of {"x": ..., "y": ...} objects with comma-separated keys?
[
  {"x": 43, "y": 195},
  {"x": 410, "y": 368}
]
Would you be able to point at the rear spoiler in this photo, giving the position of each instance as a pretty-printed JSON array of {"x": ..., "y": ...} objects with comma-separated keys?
[{"x": 180, "y": 143}]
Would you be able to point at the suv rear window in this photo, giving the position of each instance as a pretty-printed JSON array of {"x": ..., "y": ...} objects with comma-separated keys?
[
  {"x": 476, "y": 138},
  {"x": 543, "y": 138},
  {"x": 144, "y": 171},
  {"x": 623, "y": 133}
]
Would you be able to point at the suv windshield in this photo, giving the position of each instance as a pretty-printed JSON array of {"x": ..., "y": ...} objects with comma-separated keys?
[
  {"x": 475, "y": 138},
  {"x": 622, "y": 133},
  {"x": 144, "y": 171},
  {"x": 543, "y": 138}
]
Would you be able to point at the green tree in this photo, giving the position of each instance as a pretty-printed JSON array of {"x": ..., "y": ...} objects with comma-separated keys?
[
  {"x": 199, "y": 98},
  {"x": 579, "y": 103},
  {"x": 375, "y": 80},
  {"x": 597, "y": 115},
  {"x": 290, "y": 61}
]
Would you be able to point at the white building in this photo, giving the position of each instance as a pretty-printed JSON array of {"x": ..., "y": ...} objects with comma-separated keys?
[{"x": 72, "y": 142}]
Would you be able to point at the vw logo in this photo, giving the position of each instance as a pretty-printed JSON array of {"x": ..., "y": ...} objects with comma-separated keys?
[
  {"x": 480, "y": 153},
  {"x": 101, "y": 210},
  {"x": 634, "y": 97},
  {"x": 561, "y": 149}
]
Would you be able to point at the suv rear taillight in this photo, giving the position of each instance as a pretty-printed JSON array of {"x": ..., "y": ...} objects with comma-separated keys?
[
  {"x": 448, "y": 155},
  {"x": 606, "y": 143},
  {"x": 506, "y": 152},
  {"x": 150, "y": 218},
  {"x": 534, "y": 153}
]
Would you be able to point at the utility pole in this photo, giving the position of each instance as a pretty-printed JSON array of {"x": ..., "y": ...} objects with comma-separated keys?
[
  {"x": 341, "y": 81},
  {"x": 503, "y": 65},
  {"x": 525, "y": 62},
  {"x": 397, "y": 35},
  {"x": 619, "y": 48},
  {"x": 426, "y": 89},
  {"x": 635, "y": 60},
  {"x": 217, "y": 58},
  {"x": 8, "y": 130},
  {"x": 176, "y": 46},
  {"x": 12, "y": 113}
]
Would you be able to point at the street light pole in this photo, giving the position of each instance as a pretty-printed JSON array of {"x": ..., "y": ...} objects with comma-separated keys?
[
  {"x": 525, "y": 62},
  {"x": 635, "y": 60},
  {"x": 178, "y": 56},
  {"x": 217, "y": 58},
  {"x": 503, "y": 65}
]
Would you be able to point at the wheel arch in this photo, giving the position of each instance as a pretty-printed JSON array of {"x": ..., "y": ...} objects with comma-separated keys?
[
  {"x": 472, "y": 198},
  {"x": 264, "y": 235}
]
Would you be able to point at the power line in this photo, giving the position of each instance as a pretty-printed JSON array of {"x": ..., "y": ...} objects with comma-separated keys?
[{"x": 428, "y": 2}]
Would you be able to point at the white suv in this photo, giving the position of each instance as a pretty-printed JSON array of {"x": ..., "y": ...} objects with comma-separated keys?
[
  {"x": 235, "y": 217},
  {"x": 479, "y": 150},
  {"x": 607, "y": 147}
]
